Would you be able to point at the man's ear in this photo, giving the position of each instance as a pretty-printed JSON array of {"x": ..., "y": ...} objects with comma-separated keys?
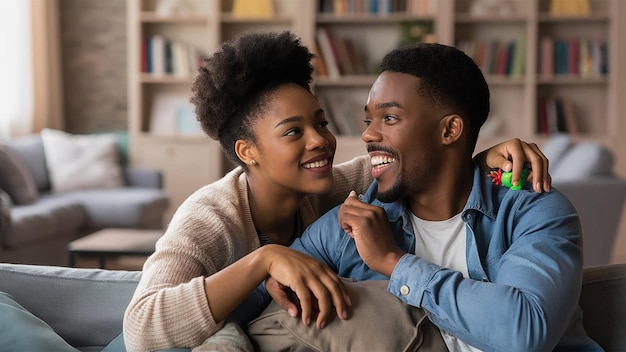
[
  {"x": 452, "y": 129},
  {"x": 245, "y": 151}
]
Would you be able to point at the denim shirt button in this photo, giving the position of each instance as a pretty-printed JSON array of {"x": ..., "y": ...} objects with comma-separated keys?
[
  {"x": 404, "y": 290},
  {"x": 468, "y": 216}
]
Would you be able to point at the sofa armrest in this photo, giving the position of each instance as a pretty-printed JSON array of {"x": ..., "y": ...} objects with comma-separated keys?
[
  {"x": 84, "y": 306},
  {"x": 143, "y": 177},
  {"x": 603, "y": 301}
]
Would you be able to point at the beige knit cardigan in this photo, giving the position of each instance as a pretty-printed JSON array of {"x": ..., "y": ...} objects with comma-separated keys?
[{"x": 210, "y": 230}]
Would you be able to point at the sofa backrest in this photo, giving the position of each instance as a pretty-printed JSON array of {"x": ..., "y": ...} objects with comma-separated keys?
[{"x": 84, "y": 306}]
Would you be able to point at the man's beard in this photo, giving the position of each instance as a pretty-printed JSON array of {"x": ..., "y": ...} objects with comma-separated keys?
[{"x": 397, "y": 191}]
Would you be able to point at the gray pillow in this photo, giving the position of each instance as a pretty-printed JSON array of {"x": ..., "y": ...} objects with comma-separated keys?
[
  {"x": 15, "y": 177},
  {"x": 379, "y": 322},
  {"x": 583, "y": 160}
]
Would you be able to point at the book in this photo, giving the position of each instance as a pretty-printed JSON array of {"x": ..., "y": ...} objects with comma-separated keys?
[
  {"x": 253, "y": 9},
  {"x": 573, "y": 52},
  {"x": 157, "y": 55},
  {"x": 144, "y": 55},
  {"x": 326, "y": 51},
  {"x": 344, "y": 59},
  {"x": 547, "y": 58},
  {"x": 585, "y": 61},
  {"x": 518, "y": 66},
  {"x": 355, "y": 59}
]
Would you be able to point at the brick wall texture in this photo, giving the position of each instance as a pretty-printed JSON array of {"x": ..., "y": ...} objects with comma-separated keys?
[{"x": 93, "y": 56}]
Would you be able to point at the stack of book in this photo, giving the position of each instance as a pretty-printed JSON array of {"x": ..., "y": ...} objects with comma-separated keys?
[
  {"x": 498, "y": 58},
  {"x": 337, "y": 56},
  {"x": 378, "y": 7},
  {"x": 556, "y": 115},
  {"x": 576, "y": 57},
  {"x": 161, "y": 56}
]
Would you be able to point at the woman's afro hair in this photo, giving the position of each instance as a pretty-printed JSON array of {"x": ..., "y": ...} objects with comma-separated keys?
[{"x": 233, "y": 83}]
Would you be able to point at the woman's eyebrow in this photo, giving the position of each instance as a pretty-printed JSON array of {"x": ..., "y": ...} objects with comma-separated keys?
[{"x": 289, "y": 119}]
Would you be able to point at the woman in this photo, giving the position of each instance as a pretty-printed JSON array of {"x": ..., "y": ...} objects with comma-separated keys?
[{"x": 253, "y": 96}]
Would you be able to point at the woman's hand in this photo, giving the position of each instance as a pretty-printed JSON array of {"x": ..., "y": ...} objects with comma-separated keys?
[
  {"x": 314, "y": 286},
  {"x": 514, "y": 155}
]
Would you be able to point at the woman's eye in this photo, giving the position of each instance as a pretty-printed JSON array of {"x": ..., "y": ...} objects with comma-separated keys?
[
  {"x": 367, "y": 122},
  {"x": 293, "y": 131}
]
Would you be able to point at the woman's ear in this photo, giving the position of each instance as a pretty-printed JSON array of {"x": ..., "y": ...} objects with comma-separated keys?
[
  {"x": 246, "y": 151},
  {"x": 452, "y": 129}
]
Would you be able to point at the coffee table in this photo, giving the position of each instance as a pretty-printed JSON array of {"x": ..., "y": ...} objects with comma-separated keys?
[{"x": 114, "y": 242}]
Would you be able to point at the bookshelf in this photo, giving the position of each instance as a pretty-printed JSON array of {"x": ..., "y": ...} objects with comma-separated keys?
[{"x": 519, "y": 26}]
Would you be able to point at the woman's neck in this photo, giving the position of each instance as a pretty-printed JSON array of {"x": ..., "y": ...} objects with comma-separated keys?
[{"x": 274, "y": 211}]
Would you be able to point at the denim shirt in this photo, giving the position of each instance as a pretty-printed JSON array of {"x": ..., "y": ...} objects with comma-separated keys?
[{"x": 524, "y": 257}]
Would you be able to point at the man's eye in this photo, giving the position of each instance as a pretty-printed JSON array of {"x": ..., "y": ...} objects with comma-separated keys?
[{"x": 390, "y": 118}]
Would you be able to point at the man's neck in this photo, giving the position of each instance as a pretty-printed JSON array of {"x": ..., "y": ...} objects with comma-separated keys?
[{"x": 446, "y": 196}]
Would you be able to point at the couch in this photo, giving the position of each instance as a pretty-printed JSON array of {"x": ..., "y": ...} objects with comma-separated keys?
[
  {"x": 583, "y": 172},
  {"x": 39, "y": 217},
  {"x": 86, "y": 306}
]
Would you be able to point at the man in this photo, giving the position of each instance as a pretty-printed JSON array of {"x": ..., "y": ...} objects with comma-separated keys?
[{"x": 495, "y": 269}]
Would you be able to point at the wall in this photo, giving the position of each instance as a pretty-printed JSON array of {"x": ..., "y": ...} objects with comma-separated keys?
[{"x": 93, "y": 56}]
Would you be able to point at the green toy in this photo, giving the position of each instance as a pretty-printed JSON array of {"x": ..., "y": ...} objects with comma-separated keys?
[{"x": 505, "y": 177}]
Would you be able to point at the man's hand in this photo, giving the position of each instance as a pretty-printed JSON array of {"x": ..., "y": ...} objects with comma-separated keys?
[
  {"x": 513, "y": 155},
  {"x": 316, "y": 287},
  {"x": 368, "y": 225}
]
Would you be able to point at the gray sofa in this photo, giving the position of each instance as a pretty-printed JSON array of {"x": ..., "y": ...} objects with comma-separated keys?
[
  {"x": 86, "y": 306},
  {"x": 36, "y": 224},
  {"x": 583, "y": 171}
]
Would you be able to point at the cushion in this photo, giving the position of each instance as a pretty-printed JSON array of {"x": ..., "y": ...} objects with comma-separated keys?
[
  {"x": 400, "y": 328},
  {"x": 77, "y": 162},
  {"x": 30, "y": 148},
  {"x": 555, "y": 147},
  {"x": 15, "y": 178},
  {"x": 22, "y": 331},
  {"x": 583, "y": 160}
]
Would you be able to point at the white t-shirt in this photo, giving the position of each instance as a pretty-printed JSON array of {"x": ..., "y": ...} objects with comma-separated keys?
[{"x": 443, "y": 243}]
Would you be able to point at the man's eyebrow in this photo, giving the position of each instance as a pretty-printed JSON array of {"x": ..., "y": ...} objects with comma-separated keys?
[
  {"x": 289, "y": 119},
  {"x": 391, "y": 104}
]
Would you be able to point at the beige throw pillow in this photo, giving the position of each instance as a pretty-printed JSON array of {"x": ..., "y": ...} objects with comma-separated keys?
[
  {"x": 379, "y": 322},
  {"x": 77, "y": 162}
]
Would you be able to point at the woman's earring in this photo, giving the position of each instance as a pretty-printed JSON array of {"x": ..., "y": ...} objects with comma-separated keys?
[{"x": 252, "y": 162}]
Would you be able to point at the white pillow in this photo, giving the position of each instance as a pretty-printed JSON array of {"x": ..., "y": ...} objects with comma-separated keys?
[
  {"x": 77, "y": 162},
  {"x": 555, "y": 148}
]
